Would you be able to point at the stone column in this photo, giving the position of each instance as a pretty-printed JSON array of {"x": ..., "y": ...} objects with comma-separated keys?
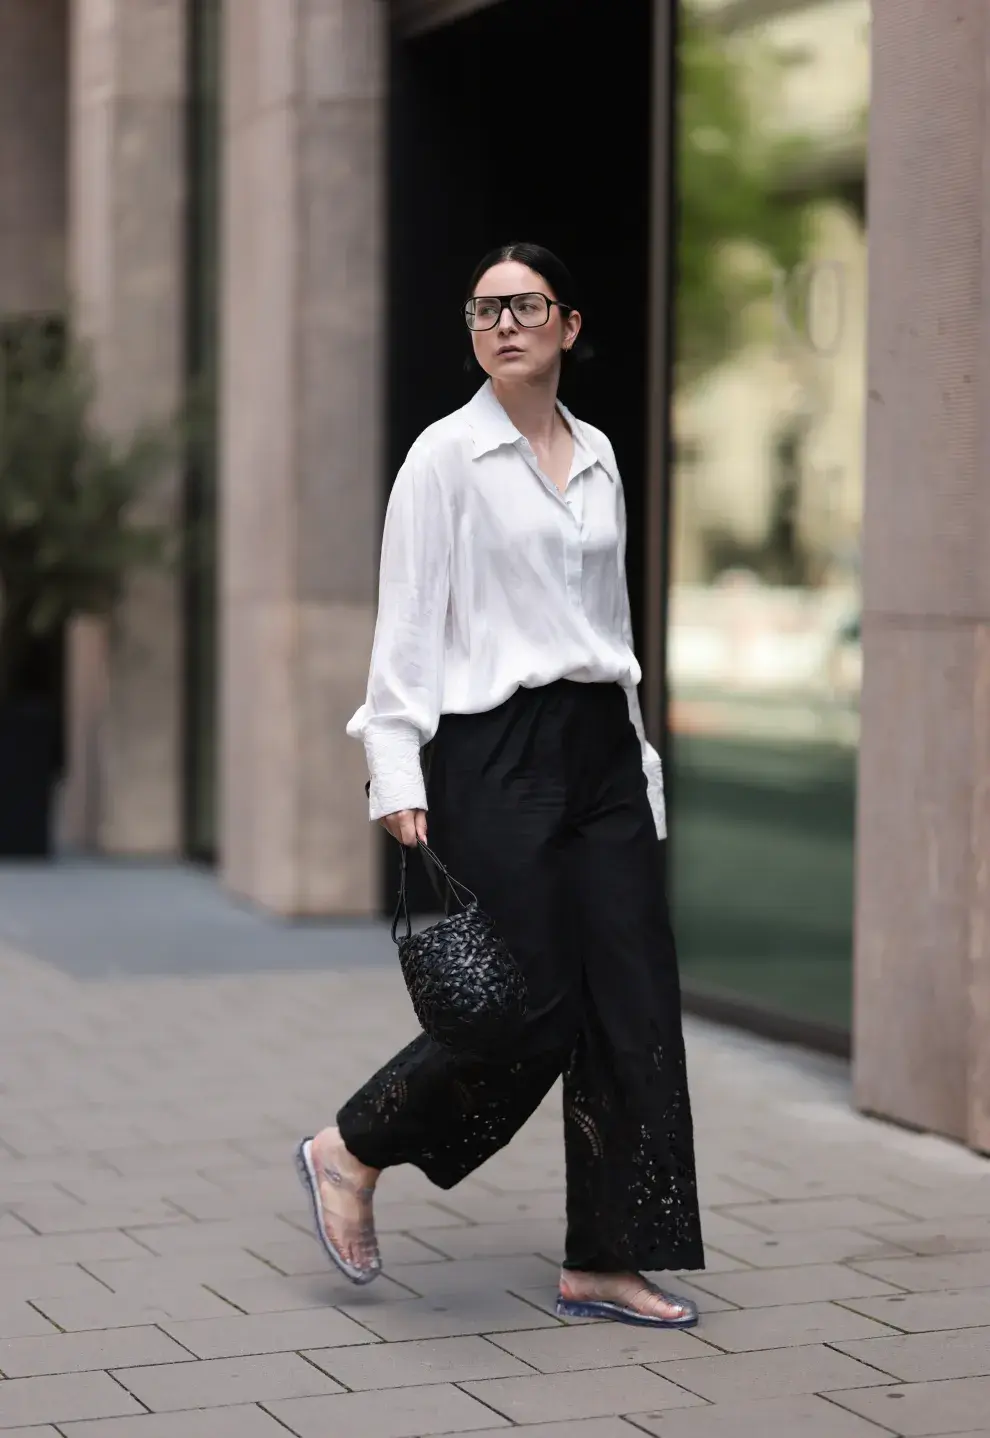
[
  {"x": 302, "y": 405},
  {"x": 922, "y": 984},
  {"x": 127, "y": 251},
  {"x": 33, "y": 48}
]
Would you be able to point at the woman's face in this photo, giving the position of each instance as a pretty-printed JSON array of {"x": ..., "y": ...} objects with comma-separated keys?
[{"x": 511, "y": 350}]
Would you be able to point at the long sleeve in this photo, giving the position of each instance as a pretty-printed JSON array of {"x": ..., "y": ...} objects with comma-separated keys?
[
  {"x": 405, "y": 681},
  {"x": 652, "y": 766}
]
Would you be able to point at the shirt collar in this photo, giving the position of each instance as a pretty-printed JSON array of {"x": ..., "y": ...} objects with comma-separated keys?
[{"x": 491, "y": 428}]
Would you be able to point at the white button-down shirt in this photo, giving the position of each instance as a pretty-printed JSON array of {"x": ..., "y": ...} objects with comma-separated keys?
[{"x": 493, "y": 580}]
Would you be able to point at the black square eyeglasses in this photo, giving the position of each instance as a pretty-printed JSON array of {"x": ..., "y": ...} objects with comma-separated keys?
[{"x": 530, "y": 310}]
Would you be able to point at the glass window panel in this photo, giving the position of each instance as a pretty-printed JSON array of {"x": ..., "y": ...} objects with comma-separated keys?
[{"x": 763, "y": 643}]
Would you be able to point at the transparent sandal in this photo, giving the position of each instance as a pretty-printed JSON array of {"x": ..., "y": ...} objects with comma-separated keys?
[
  {"x": 357, "y": 1239},
  {"x": 569, "y": 1307}
]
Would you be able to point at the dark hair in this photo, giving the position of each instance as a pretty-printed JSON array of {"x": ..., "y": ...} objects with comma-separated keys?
[{"x": 546, "y": 264}]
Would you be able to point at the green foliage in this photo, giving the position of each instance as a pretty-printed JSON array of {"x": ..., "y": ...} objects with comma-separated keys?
[
  {"x": 735, "y": 223},
  {"x": 69, "y": 531}
]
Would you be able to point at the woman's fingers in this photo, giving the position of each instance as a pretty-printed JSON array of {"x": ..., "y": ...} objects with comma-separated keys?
[
  {"x": 407, "y": 825},
  {"x": 402, "y": 825}
]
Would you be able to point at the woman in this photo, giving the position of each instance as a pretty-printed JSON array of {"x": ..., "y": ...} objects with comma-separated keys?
[{"x": 502, "y": 706}]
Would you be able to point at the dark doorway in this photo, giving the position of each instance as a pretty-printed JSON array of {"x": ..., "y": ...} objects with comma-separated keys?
[{"x": 529, "y": 120}]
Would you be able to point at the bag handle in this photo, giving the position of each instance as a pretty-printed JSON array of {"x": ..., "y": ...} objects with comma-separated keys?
[{"x": 402, "y": 906}]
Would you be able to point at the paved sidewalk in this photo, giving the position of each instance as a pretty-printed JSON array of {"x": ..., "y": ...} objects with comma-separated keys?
[{"x": 157, "y": 1279}]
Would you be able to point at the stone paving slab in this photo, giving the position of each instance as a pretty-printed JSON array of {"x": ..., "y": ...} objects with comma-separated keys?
[
  {"x": 918, "y": 1410},
  {"x": 591, "y": 1346},
  {"x": 82, "y": 1352},
  {"x": 787, "y": 1325},
  {"x": 149, "y": 1210},
  {"x": 811, "y": 1283},
  {"x": 921, "y": 1357},
  {"x": 403, "y": 1365},
  {"x": 61, "y": 1398},
  {"x": 72, "y": 1248},
  {"x": 240, "y": 1421},
  {"x": 808, "y": 1417},
  {"x": 584, "y": 1428},
  {"x": 828, "y": 1245},
  {"x": 926, "y": 1312},
  {"x": 595, "y": 1393},
  {"x": 244, "y": 1334},
  {"x": 393, "y": 1413},
  {"x": 449, "y": 1316},
  {"x": 773, "y": 1373},
  {"x": 220, "y": 1382},
  {"x": 19, "y": 1320},
  {"x": 34, "y": 1432},
  {"x": 931, "y": 1275},
  {"x": 811, "y": 1215},
  {"x": 935, "y": 1236}
]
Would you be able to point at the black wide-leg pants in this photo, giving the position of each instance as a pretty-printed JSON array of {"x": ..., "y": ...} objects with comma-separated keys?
[{"x": 540, "y": 807}]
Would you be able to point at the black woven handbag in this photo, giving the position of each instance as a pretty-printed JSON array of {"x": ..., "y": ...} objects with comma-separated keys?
[{"x": 467, "y": 990}]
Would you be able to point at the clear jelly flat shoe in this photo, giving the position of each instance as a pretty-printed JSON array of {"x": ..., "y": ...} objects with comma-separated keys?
[
  {"x": 687, "y": 1312},
  {"x": 337, "y": 1235}
]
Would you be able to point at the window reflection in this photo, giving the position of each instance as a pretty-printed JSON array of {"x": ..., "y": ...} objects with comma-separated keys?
[{"x": 764, "y": 642}]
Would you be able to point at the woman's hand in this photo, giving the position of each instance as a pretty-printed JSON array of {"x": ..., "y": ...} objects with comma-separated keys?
[{"x": 407, "y": 825}]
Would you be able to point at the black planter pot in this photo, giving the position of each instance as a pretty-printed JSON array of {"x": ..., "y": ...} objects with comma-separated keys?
[{"x": 28, "y": 735}]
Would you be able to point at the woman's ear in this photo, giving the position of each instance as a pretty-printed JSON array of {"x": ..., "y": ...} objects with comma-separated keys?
[{"x": 573, "y": 328}]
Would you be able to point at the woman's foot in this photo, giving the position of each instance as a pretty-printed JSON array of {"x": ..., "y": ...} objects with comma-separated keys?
[
  {"x": 623, "y": 1297},
  {"x": 341, "y": 1190}
]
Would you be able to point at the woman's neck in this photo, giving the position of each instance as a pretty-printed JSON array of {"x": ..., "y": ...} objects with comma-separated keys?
[{"x": 531, "y": 407}]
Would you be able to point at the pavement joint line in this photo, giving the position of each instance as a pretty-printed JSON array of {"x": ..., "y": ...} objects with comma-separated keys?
[
  {"x": 502, "y": 1416},
  {"x": 846, "y": 1303},
  {"x": 238, "y": 1311},
  {"x": 827, "y": 1398},
  {"x": 324, "y": 1374},
  {"x": 94, "y": 1276},
  {"x": 859, "y": 1359},
  {"x": 282, "y": 1424},
  {"x": 112, "y": 1375},
  {"x": 159, "y": 1329},
  {"x": 41, "y": 1313}
]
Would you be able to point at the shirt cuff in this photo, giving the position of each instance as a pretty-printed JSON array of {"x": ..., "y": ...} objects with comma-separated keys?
[
  {"x": 653, "y": 769},
  {"x": 396, "y": 772}
]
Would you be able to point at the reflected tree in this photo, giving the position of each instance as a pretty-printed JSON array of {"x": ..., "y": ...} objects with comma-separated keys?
[{"x": 739, "y": 221}]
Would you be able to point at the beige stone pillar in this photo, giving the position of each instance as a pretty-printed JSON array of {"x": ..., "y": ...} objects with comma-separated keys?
[
  {"x": 127, "y": 248},
  {"x": 922, "y": 986},
  {"x": 33, "y": 50},
  {"x": 302, "y": 406}
]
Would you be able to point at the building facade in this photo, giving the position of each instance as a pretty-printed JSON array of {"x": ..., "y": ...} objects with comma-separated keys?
[{"x": 272, "y": 207}]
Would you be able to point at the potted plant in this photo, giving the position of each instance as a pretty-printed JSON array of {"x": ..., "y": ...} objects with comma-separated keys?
[{"x": 69, "y": 536}]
